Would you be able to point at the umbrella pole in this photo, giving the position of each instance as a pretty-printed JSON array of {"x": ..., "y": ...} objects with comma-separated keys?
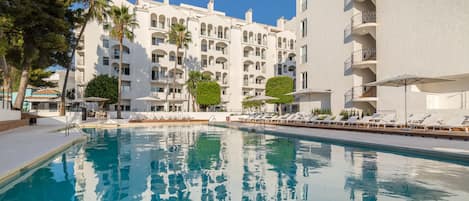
[{"x": 405, "y": 102}]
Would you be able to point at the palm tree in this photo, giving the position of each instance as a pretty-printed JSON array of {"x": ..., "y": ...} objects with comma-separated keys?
[
  {"x": 123, "y": 23},
  {"x": 181, "y": 37},
  {"x": 96, "y": 10},
  {"x": 194, "y": 78}
]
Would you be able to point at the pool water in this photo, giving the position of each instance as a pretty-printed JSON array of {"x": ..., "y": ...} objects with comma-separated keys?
[{"x": 206, "y": 163}]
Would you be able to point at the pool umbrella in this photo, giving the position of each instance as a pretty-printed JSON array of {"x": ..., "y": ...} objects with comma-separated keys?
[
  {"x": 405, "y": 80},
  {"x": 147, "y": 99},
  {"x": 97, "y": 100},
  {"x": 262, "y": 98}
]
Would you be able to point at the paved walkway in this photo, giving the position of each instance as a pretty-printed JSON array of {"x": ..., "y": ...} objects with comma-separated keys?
[
  {"x": 441, "y": 148},
  {"x": 24, "y": 146}
]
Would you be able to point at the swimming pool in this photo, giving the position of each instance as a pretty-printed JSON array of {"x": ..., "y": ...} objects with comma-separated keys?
[{"x": 197, "y": 162}]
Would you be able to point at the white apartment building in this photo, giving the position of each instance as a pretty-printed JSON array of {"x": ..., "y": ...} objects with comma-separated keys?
[
  {"x": 345, "y": 44},
  {"x": 239, "y": 54}
]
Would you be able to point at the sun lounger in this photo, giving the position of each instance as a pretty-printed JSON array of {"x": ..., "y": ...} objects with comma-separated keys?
[
  {"x": 459, "y": 122},
  {"x": 322, "y": 118},
  {"x": 364, "y": 122},
  {"x": 384, "y": 120},
  {"x": 338, "y": 120},
  {"x": 350, "y": 121}
]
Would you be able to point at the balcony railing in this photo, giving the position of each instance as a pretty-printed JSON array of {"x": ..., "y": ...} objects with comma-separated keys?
[
  {"x": 360, "y": 92},
  {"x": 363, "y": 18},
  {"x": 363, "y": 55}
]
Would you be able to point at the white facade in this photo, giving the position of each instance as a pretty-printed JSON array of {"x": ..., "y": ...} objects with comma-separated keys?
[
  {"x": 238, "y": 53},
  {"x": 354, "y": 42}
]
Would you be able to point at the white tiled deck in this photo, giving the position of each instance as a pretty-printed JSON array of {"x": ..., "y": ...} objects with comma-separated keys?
[
  {"x": 24, "y": 146},
  {"x": 442, "y": 148}
]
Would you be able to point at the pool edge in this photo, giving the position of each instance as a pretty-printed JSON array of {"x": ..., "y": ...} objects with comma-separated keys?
[
  {"x": 452, "y": 157},
  {"x": 16, "y": 173}
]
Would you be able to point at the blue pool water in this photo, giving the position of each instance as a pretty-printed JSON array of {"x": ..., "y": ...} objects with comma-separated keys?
[{"x": 206, "y": 163}]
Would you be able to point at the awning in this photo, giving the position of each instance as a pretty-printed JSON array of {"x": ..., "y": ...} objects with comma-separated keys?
[{"x": 310, "y": 91}]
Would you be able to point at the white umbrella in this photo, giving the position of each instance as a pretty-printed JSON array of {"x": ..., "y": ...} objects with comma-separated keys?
[
  {"x": 405, "y": 80},
  {"x": 261, "y": 98},
  {"x": 147, "y": 99}
]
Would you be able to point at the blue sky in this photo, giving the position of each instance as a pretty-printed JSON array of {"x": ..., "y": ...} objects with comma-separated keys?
[{"x": 265, "y": 11}]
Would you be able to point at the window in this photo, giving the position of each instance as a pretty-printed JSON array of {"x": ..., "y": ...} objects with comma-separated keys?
[
  {"x": 304, "y": 80},
  {"x": 126, "y": 87},
  {"x": 126, "y": 70},
  {"x": 105, "y": 43},
  {"x": 304, "y": 54},
  {"x": 179, "y": 60},
  {"x": 116, "y": 53},
  {"x": 106, "y": 61},
  {"x": 304, "y": 28},
  {"x": 304, "y": 5},
  {"x": 279, "y": 69}
]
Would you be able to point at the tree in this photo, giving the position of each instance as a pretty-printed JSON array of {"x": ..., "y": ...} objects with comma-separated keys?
[
  {"x": 37, "y": 43},
  {"x": 96, "y": 10},
  {"x": 278, "y": 87},
  {"x": 123, "y": 23},
  {"x": 36, "y": 78},
  {"x": 208, "y": 93},
  {"x": 194, "y": 78},
  {"x": 103, "y": 86},
  {"x": 181, "y": 37}
]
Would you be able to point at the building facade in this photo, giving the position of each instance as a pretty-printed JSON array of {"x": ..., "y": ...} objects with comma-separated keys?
[
  {"x": 344, "y": 45},
  {"x": 238, "y": 53}
]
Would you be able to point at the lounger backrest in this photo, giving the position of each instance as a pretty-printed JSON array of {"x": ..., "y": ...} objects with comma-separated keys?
[
  {"x": 456, "y": 121},
  {"x": 366, "y": 119},
  {"x": 352, "y": 119}
]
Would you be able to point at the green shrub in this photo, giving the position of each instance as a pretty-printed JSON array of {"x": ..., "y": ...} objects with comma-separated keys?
[
  {"x": 279, "y": 86},
  {"x": 318, "y": 111},
  {"x": 208, "y": 93},
  {"x": 103, "y": 86}
]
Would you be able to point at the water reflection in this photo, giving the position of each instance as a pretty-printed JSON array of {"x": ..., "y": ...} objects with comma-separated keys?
[{"x": 204, "y": 163}]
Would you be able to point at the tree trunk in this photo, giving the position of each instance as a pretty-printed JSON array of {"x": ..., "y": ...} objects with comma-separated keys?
[
  {"x": 23, "y": 86},
  {"x": 6, "y": 82},
  {"x": 69, "y": 66},
  {"x": 194, "y": 109},
  {"x": 119, "y": 85},
  {"x": 25, "y": 68},
  {"x": 174, "y": 77}
]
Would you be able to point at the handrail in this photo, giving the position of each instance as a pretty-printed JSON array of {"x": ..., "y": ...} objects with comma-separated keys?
[
  {"x": 361, "y": 92},
  {"x": 212, "y": 118},
  {"x": 363, "y": 18},
  {"x": 361, "y": 55}
]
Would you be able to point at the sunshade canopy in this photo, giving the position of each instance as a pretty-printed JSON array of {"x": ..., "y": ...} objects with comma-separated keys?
[
  {"x": 403, "y": 80},
  {"x": 261, "y": 98}
]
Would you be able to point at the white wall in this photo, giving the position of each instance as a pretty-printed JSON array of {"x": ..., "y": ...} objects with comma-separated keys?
[
  {"x": 421, "y": 37},
  {"x": 9, "y": 115},
  {"x": 328, "y": 49}
]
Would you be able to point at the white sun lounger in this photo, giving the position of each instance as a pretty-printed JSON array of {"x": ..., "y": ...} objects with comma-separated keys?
[{"x": 459, "y": 122}]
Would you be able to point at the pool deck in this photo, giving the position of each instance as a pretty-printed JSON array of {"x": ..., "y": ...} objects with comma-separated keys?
[
  {"x": 444, "y": 149},
  {"x": 26, "y": 147}
]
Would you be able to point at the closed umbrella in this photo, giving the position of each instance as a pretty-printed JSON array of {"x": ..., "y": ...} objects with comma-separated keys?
[{"x": 405, "y": 80}]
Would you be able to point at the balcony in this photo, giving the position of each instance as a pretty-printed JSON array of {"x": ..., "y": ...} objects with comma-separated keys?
[
  {"x": 364, "y": 58},
  {"x": 364, "y": 23},
  {"x": 361, "y": 1},
  {"x": 364, "y": 94},
  {"x": 125, "y": 58}
]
